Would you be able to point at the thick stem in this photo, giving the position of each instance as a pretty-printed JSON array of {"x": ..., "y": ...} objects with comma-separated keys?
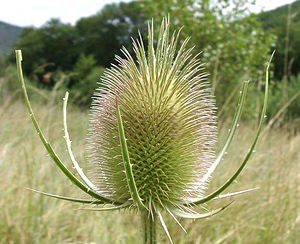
[{"x": 149, "y": 228}]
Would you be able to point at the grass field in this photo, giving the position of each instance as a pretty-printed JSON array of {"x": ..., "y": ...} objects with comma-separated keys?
[{"x": 268, "y": 215}]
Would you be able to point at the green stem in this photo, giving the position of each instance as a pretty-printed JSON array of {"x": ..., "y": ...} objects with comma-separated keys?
[{"x": 150, "y": 230}]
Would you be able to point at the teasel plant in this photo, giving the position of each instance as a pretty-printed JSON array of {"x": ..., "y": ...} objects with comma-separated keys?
[{"x": 152, "y": 135}]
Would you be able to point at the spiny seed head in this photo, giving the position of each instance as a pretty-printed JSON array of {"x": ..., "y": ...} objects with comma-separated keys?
[{"x": 169, "y": 121}]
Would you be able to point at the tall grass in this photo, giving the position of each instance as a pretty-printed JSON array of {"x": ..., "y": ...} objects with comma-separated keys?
[{"x": 269, "y": 215}]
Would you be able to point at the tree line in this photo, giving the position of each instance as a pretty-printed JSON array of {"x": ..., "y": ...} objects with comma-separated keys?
[{"x": 232, "y": 40}]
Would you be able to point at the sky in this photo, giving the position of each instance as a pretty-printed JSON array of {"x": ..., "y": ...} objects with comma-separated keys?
[{"x": 37, "y": 12}]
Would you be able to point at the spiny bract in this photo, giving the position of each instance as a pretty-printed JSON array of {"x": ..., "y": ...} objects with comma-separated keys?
[{"x": 169, "y": 121}]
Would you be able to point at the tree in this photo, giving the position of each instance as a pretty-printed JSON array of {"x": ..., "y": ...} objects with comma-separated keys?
[
  {"x": 284, "y": 23},
  {"x": 103, "y": 34},
  {"x": 55, "y": 42},
  {"x": 59, "y": 46}
]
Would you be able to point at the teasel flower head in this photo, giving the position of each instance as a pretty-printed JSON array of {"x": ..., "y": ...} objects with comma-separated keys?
[
  {"x": 152, "y": 134},
  {"x": 169, "y": 121}
]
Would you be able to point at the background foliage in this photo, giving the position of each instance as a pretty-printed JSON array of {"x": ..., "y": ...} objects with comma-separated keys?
[{"x": 235, "y": 44}]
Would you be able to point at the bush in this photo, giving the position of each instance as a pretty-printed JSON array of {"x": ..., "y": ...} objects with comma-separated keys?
[
  {"x": 9, "y": 81},
  {"x": 290, "y": 107},
  {"x": 83, "y": 88}
]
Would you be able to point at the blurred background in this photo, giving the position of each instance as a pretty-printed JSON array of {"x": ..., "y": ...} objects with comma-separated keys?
[{"x": 67, "y": 45}]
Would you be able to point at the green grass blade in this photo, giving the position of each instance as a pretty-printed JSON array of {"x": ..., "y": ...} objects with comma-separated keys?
[
  {"x": 127, "y": 165},
  {"x": 252, "y": 147},
  {"x": 71, "y": 199},
  {"x": 231, "y": 133},
  {"x": 47, "y": 145},
  {"x": 69, "y": 147}
]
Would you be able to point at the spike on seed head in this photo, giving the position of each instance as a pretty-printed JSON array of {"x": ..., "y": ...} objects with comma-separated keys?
[{"x": 169, "y": 121}]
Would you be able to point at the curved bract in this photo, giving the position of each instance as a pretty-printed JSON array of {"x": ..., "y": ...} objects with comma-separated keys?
[{"x": 152, "y": 134}]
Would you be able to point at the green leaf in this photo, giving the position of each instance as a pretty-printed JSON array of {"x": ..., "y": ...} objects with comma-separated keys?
[
  {"x": 69, "y": 147},
  {"x": 231, "y": 133},
  {"x": 47, "y": 145},
  {"x": 78, "y": 200},
  {"x": 127, "y": 165},
  {"x": 252, "y": 147}
]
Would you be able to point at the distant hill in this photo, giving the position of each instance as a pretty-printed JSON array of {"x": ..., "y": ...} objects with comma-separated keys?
[
  {"x": 8, "y": 36},
  {"x": 276, "y": 21},
  {"x": 278, "y": 17}
]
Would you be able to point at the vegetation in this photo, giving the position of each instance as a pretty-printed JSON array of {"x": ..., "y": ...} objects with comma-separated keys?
[
  {"x": 238, "y": 51},
  {"x": 9, "y": 35},
  {"x": 284, "y": 23},
  {"x": 268, "y": 215},
  {"x": 234, "y": 45}
]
